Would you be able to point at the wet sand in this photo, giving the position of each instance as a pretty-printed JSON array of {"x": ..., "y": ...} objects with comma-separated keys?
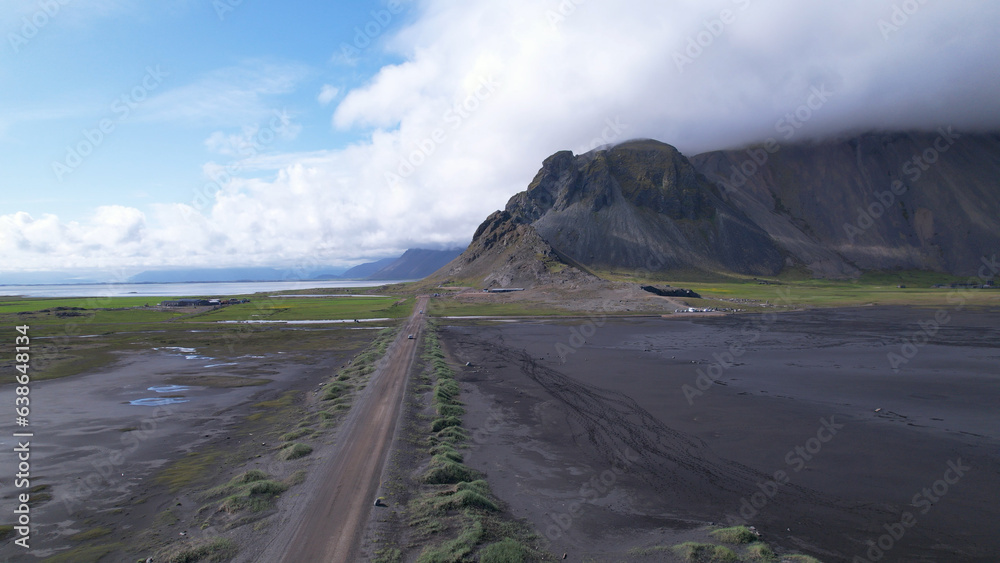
[
  {"x": 601, "y": 434},
  {"x": 99, "y": 454}
]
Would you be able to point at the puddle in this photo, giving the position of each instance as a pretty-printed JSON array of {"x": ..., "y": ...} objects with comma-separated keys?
[
  {"x": 219, "y": 365},
  {"x": 197, "y": 357},
  {"x": 168, "y": 388},
  {"x": 156, "y": 402},
  {"x": 177, "y": 348}
]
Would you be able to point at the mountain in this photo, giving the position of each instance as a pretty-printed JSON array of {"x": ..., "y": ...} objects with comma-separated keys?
[
  {"x": 873, "y": 202},
  {"x": 415, "y": 263},
  {"x": 210, "y": 275},
  {"x": 364, "y": 271},
  {"x": 508, "y": 252},
  {"x": 923, "y": 201}
]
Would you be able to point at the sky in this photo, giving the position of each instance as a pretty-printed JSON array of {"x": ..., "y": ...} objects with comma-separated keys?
[{"x": 139, "y": 135}]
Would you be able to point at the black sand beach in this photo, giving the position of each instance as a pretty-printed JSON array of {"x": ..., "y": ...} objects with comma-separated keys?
[{"x": 610, "y": 434}]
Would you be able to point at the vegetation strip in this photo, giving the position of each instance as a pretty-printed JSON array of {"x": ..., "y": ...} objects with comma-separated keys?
[{"x": 455, "y": 502}]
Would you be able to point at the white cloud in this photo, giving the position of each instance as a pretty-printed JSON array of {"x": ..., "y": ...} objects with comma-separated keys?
[
  {"x": 229, "y": 97},
  {"x": 327, "y": 94},
  {"x": 487, "y": 90}
]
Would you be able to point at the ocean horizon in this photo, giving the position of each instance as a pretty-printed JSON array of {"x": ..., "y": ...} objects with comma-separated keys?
[{"x": 178, "y": 289}]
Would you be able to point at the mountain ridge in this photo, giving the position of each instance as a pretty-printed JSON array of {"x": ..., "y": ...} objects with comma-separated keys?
[{"x": 820, "y": 206}]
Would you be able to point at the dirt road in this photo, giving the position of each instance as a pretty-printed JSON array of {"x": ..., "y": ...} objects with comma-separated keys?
[{"x": 331, "y": 526}]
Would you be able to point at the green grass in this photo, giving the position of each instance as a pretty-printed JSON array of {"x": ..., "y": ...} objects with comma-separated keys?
[
  {"x": 461, "y": 308},
  {"x": 694, "y": 552},
  {"x": 444, "y": 471},
  {"x": 877, "y": 289},
  {"x": 734, "y": 535},
  {"x": 253, "y": 491},
  {"x": 295, "y": 451},
  {"x": 388, "y": 555},
  {"x": 296, "y": 434},
  {"x": 760, "y": 552},
  {"x": 83, "y": 554},
  {"x": 313, "y": 308},
  {"x": 454, "y": 550},
  {"x": 193, "y": 468},
  {"x": 18, "y": 304},
  {"x": 214, "y": 550},
  {"x": 507, "y": 550},
  {"x": 90, "y": 534}
]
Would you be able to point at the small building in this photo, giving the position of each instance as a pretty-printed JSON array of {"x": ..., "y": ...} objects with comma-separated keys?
[{"x": 186, "y": 303}]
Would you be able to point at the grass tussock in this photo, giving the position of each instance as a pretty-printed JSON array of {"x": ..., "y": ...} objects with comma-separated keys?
[
  {"x": 83, "y": 554},
  {"x": 759, "y": 551},
  {"x": 252, "y": 491},
  {"x": 214, "y": 550},
  {"x": 734, "y": 535},
  {"x": 695, "y": 552},
  {"x": 444, "y": 471},
  {"x": 442, "y": 423},
  {"x": 295, "y": 451},
  {"x": 296, "y": 434},
  {"x": 507, "y": 550},
  {"x": 90, "y": 534}
]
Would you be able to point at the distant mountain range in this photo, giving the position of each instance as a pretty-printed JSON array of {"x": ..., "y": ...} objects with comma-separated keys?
[
  {"x": 415, "y": 263},
  {"x": 920, "y": 201}
]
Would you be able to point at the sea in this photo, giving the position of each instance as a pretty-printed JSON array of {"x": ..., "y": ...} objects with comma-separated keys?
[{"x": 186, "y": 289}]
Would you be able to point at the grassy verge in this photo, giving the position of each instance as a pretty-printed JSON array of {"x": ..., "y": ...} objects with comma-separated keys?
[
  {"x": 337, "y": 394},
  {"x": 460, "y": 308},
  {"x": 741, "y": 545},
  {"x": 881, "y": 288},
  {"x": 455, "y": 516}
]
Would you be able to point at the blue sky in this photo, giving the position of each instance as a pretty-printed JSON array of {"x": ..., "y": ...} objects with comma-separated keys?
[
  {"x": 244, "y": 133},
  {"x": 225, "y": 68}
]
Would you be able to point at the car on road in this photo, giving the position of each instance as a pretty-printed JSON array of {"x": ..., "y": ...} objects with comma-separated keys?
[{"x": 410, "y": 337}]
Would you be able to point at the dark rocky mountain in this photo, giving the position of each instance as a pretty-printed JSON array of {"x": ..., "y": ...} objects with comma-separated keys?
[
  {"x": 925, "y": 201},
  {"x": 414, "y": 264},
  {"x": 363, "y": 271}
]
